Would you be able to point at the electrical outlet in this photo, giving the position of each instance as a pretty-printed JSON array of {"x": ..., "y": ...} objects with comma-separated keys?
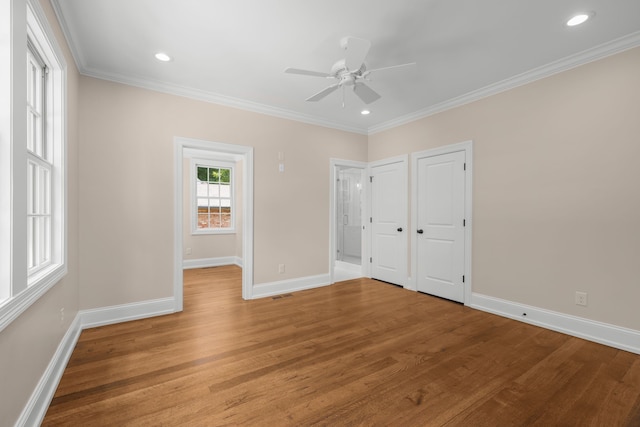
[
  {"x": 188, "y": 251},
  {"x": 581, "y": 298},
  {"x": 61, "y": 315},
  {"x": 281, "y": 268}
]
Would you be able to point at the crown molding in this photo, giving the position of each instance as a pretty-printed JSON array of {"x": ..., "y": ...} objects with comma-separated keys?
[
  {"x": 226, "y": 101},
  {"x": 75, "y": 52},
  {"x": 590, "y": 55}
]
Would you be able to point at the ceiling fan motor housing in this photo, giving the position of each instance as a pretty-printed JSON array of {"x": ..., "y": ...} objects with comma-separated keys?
[{"x": 346, "y": 76}]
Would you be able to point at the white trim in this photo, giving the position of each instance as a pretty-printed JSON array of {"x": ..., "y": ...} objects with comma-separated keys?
[
  {"x": 180, "y": 145},
  {"x": 36, "y": 408},
  {"x": 125, "y": 312},
  {"x": 215, "y": 98},
  {"x": 404, "y": 161},
  {"x": 12, "y": 308},
  {"x": 211, "y": 262},
  {"x": 467, "y": 147},
  {"x": 581, "y": 58},
  {"x": 591, "y": 330},
  {"x": 291, "y": 285},
  {"x": 333, "y": 165}
]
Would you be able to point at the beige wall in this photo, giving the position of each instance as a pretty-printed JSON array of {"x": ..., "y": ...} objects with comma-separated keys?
[
  {"x": 28, "y": 343},
  {"x": 126, "y": 177},
  {"x": 211, "y": 245},
  {"x": 556, "y": 200}
]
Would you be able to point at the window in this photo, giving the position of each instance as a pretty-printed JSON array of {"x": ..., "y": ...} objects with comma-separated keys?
[
  {"x": 213, "y": 201},
  {"x": 34, "y": 259},
  {"x": 39, "y": 166}
]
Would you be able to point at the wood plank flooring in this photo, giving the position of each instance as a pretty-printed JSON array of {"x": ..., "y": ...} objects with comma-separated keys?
[{"x": 360, "y": 352}]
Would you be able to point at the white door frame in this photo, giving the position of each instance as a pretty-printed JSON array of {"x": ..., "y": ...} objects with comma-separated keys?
[
  {"x": 334, "y": 164},
  {"x": 180, "y": 144},
  {"x": 467, "y": 147},
  {"x": 404, "y": 160}
]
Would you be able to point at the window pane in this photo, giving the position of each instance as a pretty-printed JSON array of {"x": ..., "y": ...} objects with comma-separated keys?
[
  {"x": 31, "y": 131},
  {"x": 38, "y": 140},
  {"x": 215, "y": 221},
  {"x": 31, "y": 188},
  {"x": 225, "y": 203},
  {"x": 225, "y": 175},
  {"x": 214, "y": 175},
  {"x": 203, "y": 203},
  {"x": 203, "y": 220},
  {"x": 225, "y": 221},
  {"x": 46, "y": 239},
  {"x": 202, "y": 173},
  {"x": 225, "y": 190},
  {"x": 202, "y": 189},
  {"x": 45, "y": 192},
  {"x": 214, "y": 190},
  {"x": 31, "y": 245}
]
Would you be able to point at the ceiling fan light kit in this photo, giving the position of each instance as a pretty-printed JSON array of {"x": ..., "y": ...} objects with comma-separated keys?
[{"x": 349, "y": 72}]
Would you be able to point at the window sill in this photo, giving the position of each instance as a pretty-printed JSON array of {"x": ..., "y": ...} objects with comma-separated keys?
[
  {"x": 213, "y": 232},
  {"x": 15, "y": 306}
]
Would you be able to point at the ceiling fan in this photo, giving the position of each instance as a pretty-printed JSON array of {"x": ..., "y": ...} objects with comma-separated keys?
[{"x": 350, "y": 71}]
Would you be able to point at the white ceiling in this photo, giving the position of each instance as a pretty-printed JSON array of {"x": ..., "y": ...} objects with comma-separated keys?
[{"x": 234, "y": 52}]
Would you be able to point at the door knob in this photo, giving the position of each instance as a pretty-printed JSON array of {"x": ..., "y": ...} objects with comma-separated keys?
[
  {"x": 420, "y": 231},
  {"x": 400, "y": 229}
]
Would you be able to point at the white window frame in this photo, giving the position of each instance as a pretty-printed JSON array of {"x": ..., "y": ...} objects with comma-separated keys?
[
  {"x": 21, "y": 286},
  {"x": 40, "y": 167},
  {"x": 195, "y": 162}
]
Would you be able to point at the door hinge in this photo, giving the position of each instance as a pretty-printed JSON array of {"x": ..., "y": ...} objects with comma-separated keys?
[
  {"x": 463, "y": 278},
  {"x": 370, "y": 259},
  {"x": 464, "y": 166},
  {"x": 370, "y": 220},
  {"x": 464, "y": 222},
  {"x": 371, "y": 179}
]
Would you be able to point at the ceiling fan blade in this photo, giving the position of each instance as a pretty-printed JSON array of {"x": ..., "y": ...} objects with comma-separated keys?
[
  {"x": 324, "y": 92},
  {"x": 365, "y": 93},
  {"x": 387, "y": 68},
  {"x": 357, "y": 50},
  {"x": 306, "y": 72}
]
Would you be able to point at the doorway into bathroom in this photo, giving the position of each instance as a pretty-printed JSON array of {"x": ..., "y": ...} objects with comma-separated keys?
[{"x": 348, "y": 202}]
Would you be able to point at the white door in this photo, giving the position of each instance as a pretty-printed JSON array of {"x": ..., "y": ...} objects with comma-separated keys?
[
  {"x": 440, "y": 222},
  {"x": 388, "y": 228}
]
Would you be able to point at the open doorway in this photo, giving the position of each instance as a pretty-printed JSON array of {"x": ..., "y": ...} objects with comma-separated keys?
[
  {"x": 184, "y": 149},
  {"x": 347, "y": 219}
]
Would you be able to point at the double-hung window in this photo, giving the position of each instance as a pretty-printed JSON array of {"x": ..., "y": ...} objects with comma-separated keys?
[
  {"x": 39, "y": 166},
  {"x": 213, "y": 204},
  {"x": 33, "y": 201}
]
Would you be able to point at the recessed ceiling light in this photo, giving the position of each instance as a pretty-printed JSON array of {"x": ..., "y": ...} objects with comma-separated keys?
[
  {"x": 161, "y": 56},
  {"x": 365, "y": 112},
  {"x": 578, "y": 19}
]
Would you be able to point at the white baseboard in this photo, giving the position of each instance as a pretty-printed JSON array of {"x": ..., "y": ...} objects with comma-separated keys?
[
  {"x": 602, "y": 333},
  {"x": 211, "y": 262},
  {"x": 36, "y": 408},
  {"x": 291, "y": 285},
  {"x": 125, "y": 312}
]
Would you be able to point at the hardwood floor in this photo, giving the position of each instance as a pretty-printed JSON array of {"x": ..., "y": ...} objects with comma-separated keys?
[{"x": 359, "y": 352}]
